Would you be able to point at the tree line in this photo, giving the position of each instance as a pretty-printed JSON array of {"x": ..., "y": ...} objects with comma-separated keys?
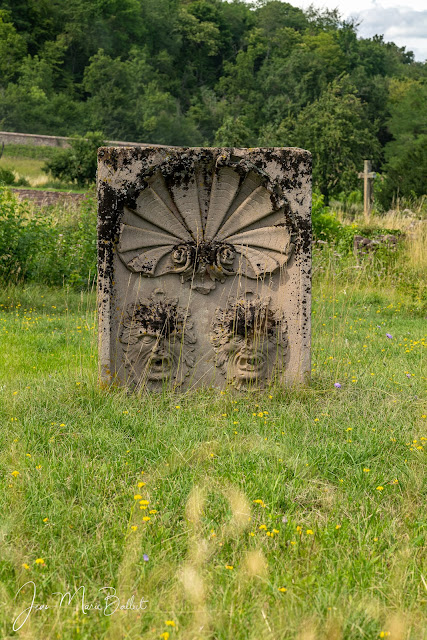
[{"x": 210, "y": 72}]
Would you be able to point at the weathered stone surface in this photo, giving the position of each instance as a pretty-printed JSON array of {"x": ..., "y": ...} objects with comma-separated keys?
[{"x": 204, "y": 266}]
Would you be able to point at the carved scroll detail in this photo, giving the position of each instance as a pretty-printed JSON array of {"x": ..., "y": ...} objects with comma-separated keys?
[
  {"x": 250, "y": 341},
  {"x": 157, "y": 340},
  {"x": 201, "y": 227}
]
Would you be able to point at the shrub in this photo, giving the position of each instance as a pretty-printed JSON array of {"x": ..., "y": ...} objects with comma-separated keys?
[
  {"x": 326, "y": 227},
  {"x": 53, "y": 246},
  {"x": 78, "y": 163},
  {"x": 6, "y": 176}
]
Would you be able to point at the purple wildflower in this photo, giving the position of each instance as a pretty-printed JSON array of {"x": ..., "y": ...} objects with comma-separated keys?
[
  {"x": 146, "y": 558},
  {"x": 337, "y": 385},
  {"x": 389, "y": 335},
  {"x": 408, "y": 375}
]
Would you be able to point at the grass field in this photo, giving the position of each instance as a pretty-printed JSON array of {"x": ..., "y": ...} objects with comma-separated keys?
[
  {"x": 26, "y": 161},
  {"x": 278, "y": 514}
]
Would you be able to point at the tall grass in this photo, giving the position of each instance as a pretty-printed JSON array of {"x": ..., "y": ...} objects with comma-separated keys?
[
  {"x": 54, "y": 246},
  {"x": 279, "y": 514},
  {"x": 276, "y": 514}
]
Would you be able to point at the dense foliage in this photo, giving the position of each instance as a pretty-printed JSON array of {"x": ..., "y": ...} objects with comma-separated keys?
[
  {"x": 53, "y": 247},
  {"x": 79, "y": 161},
  {"x": 192, "y": 72}
]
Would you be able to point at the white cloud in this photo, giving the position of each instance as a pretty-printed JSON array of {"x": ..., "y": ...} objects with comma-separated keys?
[{"x": 404, "y": 26}]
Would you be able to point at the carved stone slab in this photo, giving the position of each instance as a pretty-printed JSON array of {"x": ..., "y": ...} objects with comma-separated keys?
[{"x": 204, "y": 259}]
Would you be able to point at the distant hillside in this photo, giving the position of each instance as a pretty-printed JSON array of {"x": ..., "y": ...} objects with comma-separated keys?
[{"x": 207, "y": 72}]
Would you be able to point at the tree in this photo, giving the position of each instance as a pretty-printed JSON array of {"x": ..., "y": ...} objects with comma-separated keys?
[
  {"x": 406, "y": 155},
  {"x": 127, "y": 101},
  {"x": 233, "y": 133},
  {"x": 335, "y": 129},
  {"x": 78, "y": 163},
  {"x": 12, "y": 49}
]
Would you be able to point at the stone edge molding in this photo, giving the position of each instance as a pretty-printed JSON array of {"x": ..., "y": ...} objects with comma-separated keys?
[{"x": 122, "y": 174}]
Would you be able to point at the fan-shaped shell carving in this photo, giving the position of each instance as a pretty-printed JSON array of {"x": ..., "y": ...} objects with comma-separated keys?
[{"x": 206, "y": 224}]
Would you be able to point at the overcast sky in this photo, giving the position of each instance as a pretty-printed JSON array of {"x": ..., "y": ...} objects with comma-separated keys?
[{"x": 405, "y": 24}]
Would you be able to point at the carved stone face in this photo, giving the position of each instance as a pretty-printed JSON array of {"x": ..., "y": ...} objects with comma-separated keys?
[
  {"x": 156, "y": 337},
  {"x": 156, "y": 357},
  {"x": 250, "y": 342},
  {"x": 247, "y": 361}
]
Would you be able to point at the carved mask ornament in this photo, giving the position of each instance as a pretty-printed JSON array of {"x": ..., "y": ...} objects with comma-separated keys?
[
  {"x": 205, "y": 225},
  {"x": 157, "y": 339},
  {"x": 250, "y": 341}
]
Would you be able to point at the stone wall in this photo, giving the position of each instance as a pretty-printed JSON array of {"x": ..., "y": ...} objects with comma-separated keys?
[
  {"x": 47, "y": 198},
  {"x": 57, "y": 141},
  {"x": 35, "y": 140}
]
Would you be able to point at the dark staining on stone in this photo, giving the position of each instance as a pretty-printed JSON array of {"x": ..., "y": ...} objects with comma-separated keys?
[
  {"x": 161, "y": 319},
  {"x": 110, "y": 156},
  {"x": 250, "y": 320}
]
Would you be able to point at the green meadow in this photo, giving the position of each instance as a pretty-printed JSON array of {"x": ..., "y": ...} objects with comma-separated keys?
[
  {"x": 26, "y": 163},
  {"x": 296, "y": 513}
]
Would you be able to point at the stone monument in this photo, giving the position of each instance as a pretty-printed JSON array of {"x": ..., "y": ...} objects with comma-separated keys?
[{"x": 204, "y": 264}]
